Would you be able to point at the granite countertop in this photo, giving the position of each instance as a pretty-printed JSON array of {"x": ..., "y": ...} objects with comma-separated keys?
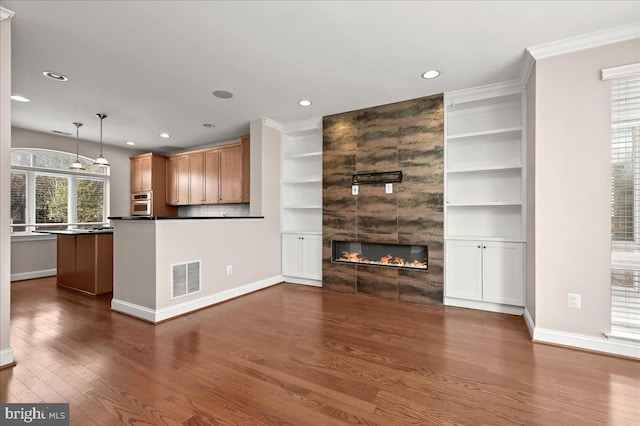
[
  {"x": 80, "y": 231},
  {"x": 181, "y": 218}
]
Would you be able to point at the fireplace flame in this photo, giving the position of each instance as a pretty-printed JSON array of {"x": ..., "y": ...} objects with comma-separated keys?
[{"x": 388, "y": 260}]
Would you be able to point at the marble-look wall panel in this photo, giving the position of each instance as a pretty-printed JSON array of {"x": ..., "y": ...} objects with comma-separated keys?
[
  {"x": 406, "y": 136},
  {"x": 377, "y": 281}
]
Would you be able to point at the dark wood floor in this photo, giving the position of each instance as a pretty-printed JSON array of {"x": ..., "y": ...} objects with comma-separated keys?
[{"x": 298, "y": 355}]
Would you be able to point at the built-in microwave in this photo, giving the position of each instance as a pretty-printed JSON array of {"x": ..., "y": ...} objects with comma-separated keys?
[{"x": 141, "y": 203}]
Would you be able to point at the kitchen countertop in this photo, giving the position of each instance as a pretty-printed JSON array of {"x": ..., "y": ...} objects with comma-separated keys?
[
  {"x": 80, "y": 231},
  {"x": 181, "y": 218}
]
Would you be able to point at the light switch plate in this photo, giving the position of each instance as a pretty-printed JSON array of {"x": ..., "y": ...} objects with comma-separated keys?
[
  {"x": 388, "y": 188},
  {"x": 354, "y": 189}
]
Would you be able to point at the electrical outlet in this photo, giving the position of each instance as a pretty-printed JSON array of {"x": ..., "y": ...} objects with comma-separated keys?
[
  {"x": 574, "y": 301},
  {"x": 229, "y": 269},
  {"x": 388, "y": 188},
  {"x": 354, "y": 189}
]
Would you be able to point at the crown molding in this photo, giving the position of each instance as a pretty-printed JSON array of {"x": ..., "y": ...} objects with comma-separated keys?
[
  {"x": 483, "y": 92},
  {"x": 622, "y": 71},
  {"x": 586, "y": 41},
  {"x": 302, "y": 125},
  {"x": 527, "y": 67},
  {"x": 272, "y": 123},
  {"x": 5, "y": 14}
]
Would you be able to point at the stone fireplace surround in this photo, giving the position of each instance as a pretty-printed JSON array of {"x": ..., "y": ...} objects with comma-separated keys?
[{"x": 406, "y": 136}]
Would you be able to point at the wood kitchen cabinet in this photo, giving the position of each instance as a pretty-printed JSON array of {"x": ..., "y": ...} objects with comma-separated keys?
[
  {"x": 217, "y": 175},
  {"x": 141, "y": 173},
  {"x": 149, "y": 174},
  {"x": 85, "y": 262},
  {"x": 178, "y": 180}
]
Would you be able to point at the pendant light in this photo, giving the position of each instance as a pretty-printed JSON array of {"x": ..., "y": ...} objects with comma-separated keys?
[
  {"x": 77, "y": 165},
  {"x": 101, "y": 161}
]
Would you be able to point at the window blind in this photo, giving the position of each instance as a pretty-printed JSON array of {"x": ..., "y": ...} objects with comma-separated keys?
[{"x": 625, "y": 206}]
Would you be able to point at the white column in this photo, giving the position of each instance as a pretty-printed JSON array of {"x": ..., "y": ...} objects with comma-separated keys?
[{"x": 6, "y": 353}]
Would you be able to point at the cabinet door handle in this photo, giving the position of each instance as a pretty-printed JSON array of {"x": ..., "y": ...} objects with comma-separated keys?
[
  {"x": 484, "y": 247},
  {"x": 478, "y": 246}
]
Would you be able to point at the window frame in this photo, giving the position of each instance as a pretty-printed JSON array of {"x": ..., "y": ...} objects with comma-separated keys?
[{"x": 72, "y": 176}]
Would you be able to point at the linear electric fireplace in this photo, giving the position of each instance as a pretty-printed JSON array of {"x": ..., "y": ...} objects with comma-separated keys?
[{"x": 377, "y": 254}]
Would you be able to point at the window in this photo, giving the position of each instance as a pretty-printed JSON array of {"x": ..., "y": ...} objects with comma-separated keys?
[
  {"x": 46, "y": 194},
  {"x": 625, "y": 201}
]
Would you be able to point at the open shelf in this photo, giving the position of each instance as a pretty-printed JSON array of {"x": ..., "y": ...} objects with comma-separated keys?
[
  {"x": 478, "y": 134},
  {"x": 479, "y": 222},
  {"x": 303, "y": 155},
  {"x": 303, "y": 181}
]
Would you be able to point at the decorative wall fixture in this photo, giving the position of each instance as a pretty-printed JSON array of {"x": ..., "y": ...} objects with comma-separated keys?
[
  {"x": 405, "y": 136},
  {"x": 376, "y": 177}
]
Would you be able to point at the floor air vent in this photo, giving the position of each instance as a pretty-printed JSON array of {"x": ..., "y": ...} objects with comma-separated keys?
[{"x": 185, "y": 278}]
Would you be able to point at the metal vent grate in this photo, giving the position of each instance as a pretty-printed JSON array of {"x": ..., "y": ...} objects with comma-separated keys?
[{"x": 185, "y": 278}]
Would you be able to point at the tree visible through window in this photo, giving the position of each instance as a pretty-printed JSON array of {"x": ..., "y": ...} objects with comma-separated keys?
[{"x": 45, "y": 194}]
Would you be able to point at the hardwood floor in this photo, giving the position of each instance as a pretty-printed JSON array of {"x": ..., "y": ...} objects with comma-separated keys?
[{"x": 299, "y": 355}]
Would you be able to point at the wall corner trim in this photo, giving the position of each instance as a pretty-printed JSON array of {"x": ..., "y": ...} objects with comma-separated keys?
[
  {"x": 580, "y": 341},
  {"x": 6, "y": 357},
  {"x": 529, "y": 321},
  {"x": 586, "y": 41}
]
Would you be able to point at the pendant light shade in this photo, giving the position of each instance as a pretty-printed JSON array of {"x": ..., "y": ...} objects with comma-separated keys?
[
  {"x": 77, "y": 165},
  {"x": 101, "y": 161}
]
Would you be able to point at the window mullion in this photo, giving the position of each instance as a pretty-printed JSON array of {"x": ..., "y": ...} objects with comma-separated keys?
[
  {"x": 72, "y": 201},
  {"x": 31, "y": 199}
]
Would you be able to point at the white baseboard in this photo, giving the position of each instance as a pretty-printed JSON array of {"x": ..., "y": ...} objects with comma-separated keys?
[
  {"x": 33, "y": 274},
  {"x": 304, "y": 281},
  {"x": 484, "y": 306},
  {"x": 598, "y": 344},
  {"x": 157, "y": 315},
  {"x": 6, "y": 357},
  {"x": 529, "y": 321}
]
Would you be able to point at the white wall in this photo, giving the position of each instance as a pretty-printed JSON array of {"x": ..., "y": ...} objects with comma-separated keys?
[
  {"x": 6, "y": 353},
  {"x": 32, "y": 259},
  {"x": 572, "y": 195},
  {"x": 145, "y": 250}
]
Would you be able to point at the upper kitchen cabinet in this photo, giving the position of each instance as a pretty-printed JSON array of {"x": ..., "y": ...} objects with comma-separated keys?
[
  {"x": 148, "y": 174},
  {"x": 217, "y": 175}
]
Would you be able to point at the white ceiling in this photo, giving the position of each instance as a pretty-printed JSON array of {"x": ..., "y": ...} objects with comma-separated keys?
[{"x": 151, "y": 66}]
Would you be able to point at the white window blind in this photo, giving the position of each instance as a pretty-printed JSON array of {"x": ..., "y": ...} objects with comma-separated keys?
[{"x": 625, "y": 206}]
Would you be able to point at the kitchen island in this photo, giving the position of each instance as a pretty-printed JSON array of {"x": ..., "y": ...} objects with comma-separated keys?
[
  {"x": 85, "y": 260},
  {"x": 167, "y": 267}
]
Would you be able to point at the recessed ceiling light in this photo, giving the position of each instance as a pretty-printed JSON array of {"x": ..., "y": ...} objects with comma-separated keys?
[
  {"x": 304, "y": 102},
  {"x": 130, "y": 143},
  {"x": 222, "y": 94},
  {"x": 430, "y": 74},
  {"x": 209, "y": 125},
  {"x": 165, "y": 135},
  {"x": 55, "y": 76},
  {"x": 20, "y": 98}
]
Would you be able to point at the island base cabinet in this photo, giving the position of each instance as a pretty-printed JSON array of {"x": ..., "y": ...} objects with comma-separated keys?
[
  {"x": 85, "y": 263},
  {"x": 485, "y": 271},
  {"x": 302, "y": 256}
]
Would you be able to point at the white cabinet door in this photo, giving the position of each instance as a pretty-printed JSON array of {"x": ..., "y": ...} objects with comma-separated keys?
[
  {"x": 312, "y": 257},
  {"x": 503, "y": 273},
  {"x": 463, "y": 269},
  {"x": 291, "y": 258}
]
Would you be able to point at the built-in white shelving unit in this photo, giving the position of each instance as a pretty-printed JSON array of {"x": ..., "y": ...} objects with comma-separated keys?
[
  {"x": 485, "y": 197},
  {"x": 301, "y": 206}
]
